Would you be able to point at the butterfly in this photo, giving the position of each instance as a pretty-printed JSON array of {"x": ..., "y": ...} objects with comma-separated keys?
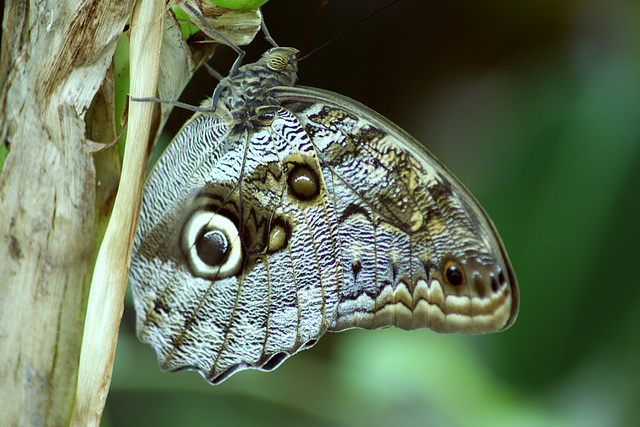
[{"x": 290, "y": 211}]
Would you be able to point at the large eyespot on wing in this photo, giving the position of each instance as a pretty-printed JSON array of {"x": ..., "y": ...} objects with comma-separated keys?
[
  {"x": 211, "y": 244},
  {"x": 251, "y": 269}
]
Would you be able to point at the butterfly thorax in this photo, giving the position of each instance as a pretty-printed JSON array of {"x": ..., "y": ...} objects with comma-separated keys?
[{"x": 248, "y": 90}]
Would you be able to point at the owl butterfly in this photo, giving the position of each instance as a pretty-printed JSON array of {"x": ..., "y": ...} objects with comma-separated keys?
[{"x": 291, "y": 211}]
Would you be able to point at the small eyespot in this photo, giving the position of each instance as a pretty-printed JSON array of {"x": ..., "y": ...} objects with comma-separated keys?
[
  {"x": 211, "y": 245},
  {"x": 501, "y": 277},
  {"x": 494, "y": 284},
  {"x": 303, "y": 183},
  {"x": 356, "y": 267},
  {"x": 278, "y": 237},
  {"x": 453, "y": 273}
]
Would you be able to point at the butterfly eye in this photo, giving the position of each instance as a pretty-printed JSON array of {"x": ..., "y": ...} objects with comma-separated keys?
[
  {"x": 453, "y": 273},
  {"x": 211, "y": 245},
  {"x": 277, "y": 62}
]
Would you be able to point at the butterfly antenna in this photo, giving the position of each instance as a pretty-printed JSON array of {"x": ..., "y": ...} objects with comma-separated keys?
[
  {"x": 313, "y": 19},
  {"x": 341, "y": 33}
]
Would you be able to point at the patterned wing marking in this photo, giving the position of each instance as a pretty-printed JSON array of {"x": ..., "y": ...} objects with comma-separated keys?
[
  {"x": 284, "y": 295},
  {"x": 417, "y": 248},
  {"x": 292, "y": 211}
]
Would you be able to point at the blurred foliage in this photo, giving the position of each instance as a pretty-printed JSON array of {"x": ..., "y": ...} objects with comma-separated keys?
[{"x": 536, "y": 107}]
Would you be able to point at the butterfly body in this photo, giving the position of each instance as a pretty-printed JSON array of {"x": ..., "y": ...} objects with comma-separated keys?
[{"x": 290, "y": 211}]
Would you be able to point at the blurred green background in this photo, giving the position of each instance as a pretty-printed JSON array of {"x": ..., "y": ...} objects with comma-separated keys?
[{"x": 536, "y": 107}]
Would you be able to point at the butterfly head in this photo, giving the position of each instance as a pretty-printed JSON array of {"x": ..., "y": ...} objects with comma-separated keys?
[{"x": 283, "y": 63}]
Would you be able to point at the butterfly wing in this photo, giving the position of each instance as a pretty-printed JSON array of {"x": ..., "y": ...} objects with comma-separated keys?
[
  {"x": 318, "y": 214},
  {"x": 273, "y": 289},
  {"x": 417, "y": 249}
]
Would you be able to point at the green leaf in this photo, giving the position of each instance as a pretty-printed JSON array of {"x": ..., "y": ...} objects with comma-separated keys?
[
  {"x": 4, "y": 151},
  {"x": 188, "y": 28},
  {"x": 121, "y": 83},
  {"x": 240, "y": 4}
]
